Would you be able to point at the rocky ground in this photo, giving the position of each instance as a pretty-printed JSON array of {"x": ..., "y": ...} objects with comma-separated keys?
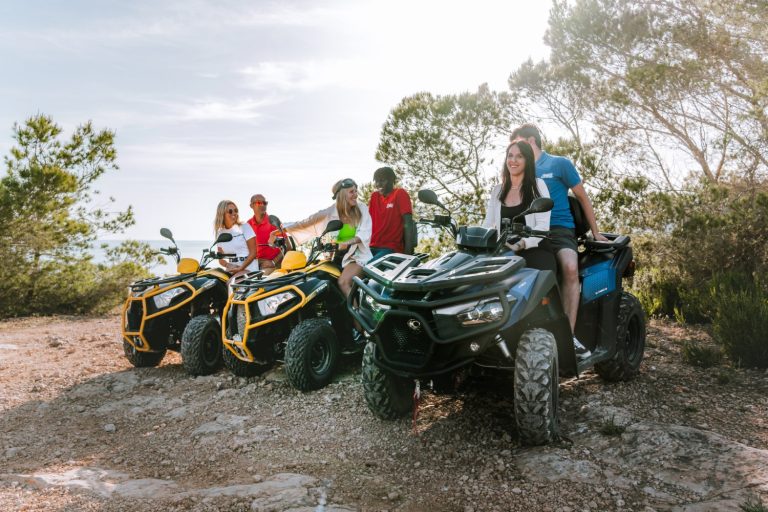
[{"x": 80, "y": 429}]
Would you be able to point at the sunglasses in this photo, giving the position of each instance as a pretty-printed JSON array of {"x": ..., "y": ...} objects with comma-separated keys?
[
  {"x": 345, "y": 183},
  {"x": 232, "y": 212},
  {"x": 259, "y": 203}
]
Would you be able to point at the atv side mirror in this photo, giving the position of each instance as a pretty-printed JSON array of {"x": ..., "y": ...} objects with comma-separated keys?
[
  {"x": 223, "y": 237},
  {"x": 333, "y": 225},
  {"x": 166, "y": 233},
  {"x": 275, "y": 221},
  {"x": 429, "y": 197},
  {"x": 541, "y": 204}
]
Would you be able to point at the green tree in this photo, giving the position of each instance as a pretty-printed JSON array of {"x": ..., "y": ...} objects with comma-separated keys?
[
  {"x": 660, "y": 77},
  {"x": 452, "y": 144},
  {"x": 50, "y": 216}
]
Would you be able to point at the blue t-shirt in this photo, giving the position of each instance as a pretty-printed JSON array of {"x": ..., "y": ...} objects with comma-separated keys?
[{"x": 560, "y": 175}]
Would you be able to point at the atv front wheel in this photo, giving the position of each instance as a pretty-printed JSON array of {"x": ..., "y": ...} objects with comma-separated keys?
[
  {"x": 536, "y": 387},
  {"x": 630, "y": 342},
  {"x": 388, "y": 396},
  {"x": 311, "y": 352},
  {"x": 201, "y": 345},
  {"x": 142, "y": 359},
  {"x": 239, "y": 367}
]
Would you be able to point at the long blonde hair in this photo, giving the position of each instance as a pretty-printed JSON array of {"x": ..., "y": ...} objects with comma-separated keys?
[
  {"x": 348, "y": 214},
  {"x": 221, "y": 211}
]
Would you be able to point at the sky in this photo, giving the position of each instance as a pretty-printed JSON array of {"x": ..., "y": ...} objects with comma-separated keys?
[{"x": 222, "y": 100}]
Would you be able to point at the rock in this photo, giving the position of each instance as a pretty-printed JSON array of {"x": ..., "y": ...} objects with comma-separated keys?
[{"x": 110, "y": 427}]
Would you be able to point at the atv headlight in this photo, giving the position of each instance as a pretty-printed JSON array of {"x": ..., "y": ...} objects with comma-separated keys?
[
  {"x": 163, "y": 300},
  {"x": 474, "y": 313},
  {"x": 269, "y": 305}
]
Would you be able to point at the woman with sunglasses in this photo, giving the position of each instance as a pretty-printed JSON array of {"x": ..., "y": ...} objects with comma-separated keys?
[
  {"x": 354, "y": 238},
  {"x": 243, "y": 243}
]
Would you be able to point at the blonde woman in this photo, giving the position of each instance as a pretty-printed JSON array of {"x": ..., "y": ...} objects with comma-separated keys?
[
  {"x": 243, "y": 243},
  {"x": 354, "y": 238}
]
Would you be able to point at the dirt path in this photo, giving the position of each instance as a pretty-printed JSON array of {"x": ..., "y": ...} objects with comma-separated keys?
[{"x": 80, "y": 429}]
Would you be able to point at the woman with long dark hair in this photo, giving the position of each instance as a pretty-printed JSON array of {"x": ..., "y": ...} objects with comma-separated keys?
[{"x": 519, "y": 186}]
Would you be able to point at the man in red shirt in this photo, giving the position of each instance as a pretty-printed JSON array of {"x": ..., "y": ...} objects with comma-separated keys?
[
  {"x": 269, "y": 257},
  {"x": 392, "y": 216}
]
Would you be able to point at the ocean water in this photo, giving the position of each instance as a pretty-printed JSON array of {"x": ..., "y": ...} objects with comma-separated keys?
[{"x": 187, "y": 249}]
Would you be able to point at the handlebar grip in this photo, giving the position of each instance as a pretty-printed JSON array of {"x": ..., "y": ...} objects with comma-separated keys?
[{"x": 225, "y": 255}]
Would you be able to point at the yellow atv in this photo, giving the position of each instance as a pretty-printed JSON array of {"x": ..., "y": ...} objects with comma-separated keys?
[
  {"x": 179, "y": 313},
  {"x": 297, "y": 315}
]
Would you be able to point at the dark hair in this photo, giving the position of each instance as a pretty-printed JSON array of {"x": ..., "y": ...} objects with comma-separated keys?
[
  {"x": 386, "y": 173},
  {"x": 527, "y": 130},
  {"x": 528, "y": 191}
]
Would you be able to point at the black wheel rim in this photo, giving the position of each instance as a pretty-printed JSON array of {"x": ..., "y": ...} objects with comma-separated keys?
[
  {"x": 211, "y": 348},
  {"x": 320, "y": 356},
  {"x": 632, "y": 340}
]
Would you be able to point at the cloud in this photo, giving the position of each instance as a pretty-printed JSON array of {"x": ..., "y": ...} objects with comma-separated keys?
[
  {"x": 216, "y": 110},
  {"x": 306, "y": 76}
]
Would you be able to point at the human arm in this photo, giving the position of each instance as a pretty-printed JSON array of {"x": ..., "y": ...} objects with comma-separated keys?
[
  {"x": 310, "y": 227},
  {"x": 589, "y": 212},
  {"x": 493, "y": 209},
  {"x": 537, "y": 221}
]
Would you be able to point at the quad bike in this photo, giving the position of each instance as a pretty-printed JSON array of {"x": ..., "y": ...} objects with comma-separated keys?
[
  {"x": 296, "y": 315},
  {"x": 477, "y": 310},
  {"x": 179, "y": 313}
]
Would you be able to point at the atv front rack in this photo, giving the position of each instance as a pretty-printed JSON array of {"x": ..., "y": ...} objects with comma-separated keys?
[
  {"x": 401, "y": 272},
  {"x": 154, "y": 281}
]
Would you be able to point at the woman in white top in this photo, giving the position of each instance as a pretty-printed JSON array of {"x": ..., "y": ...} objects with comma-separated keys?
[
  {"x": 243, "y": 243},
  {"x": 354, "y": 238},
  {"x": 519, "y": 186}
]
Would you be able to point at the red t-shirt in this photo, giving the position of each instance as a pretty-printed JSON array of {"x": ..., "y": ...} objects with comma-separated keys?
[
  {"x": 262, "y": 231},
  {"x": 387, "y": 217}
]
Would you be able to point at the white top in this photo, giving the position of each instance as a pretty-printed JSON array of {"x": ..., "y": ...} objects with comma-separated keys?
[
  {"x": 238, "y": 246},
  {"x": 312, "y": 226},
  {"x": 538, "y": 221}
]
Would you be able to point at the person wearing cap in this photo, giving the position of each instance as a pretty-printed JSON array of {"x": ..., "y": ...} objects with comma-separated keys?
[
  {"x": 392, "y": 216},
  {"x": 354, "y": 237},
  {"x": 243, "y": 243},
  {"x": 269, "y": 257}
]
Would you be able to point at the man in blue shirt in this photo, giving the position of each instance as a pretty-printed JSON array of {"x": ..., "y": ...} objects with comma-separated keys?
[{"x": 560, "y": 175}]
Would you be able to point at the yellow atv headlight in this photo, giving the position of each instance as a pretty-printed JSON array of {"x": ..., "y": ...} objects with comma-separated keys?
[
  {"x": 269, "y": 305},
  {"x": 163, "y": 300}
]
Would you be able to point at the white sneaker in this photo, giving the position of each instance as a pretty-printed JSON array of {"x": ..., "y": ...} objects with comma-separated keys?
[{"x": 582, "y": 352}]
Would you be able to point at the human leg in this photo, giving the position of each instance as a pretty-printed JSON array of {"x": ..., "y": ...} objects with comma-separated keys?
[
  {"x": 351, "y": 270},
  {"x": 569, "y": 283}
]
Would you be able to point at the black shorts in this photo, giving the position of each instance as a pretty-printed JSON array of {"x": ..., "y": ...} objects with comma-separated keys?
[{"x": 562, "y": 238}]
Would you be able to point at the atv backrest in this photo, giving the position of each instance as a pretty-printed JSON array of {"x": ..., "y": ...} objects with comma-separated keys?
[{"x": 579, "y": 219}]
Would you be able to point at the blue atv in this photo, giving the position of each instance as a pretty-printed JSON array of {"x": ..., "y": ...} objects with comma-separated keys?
[{"x": 480, "y": 310}]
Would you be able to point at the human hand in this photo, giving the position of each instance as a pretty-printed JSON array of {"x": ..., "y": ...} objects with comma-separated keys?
[{"x": 599, "y": 237}]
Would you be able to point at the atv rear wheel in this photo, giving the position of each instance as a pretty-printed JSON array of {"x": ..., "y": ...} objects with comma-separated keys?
[
  {"x": 388, "y": 396},
  {"x": 239, "y": 367},
  {"x": 201, "y": 345},
  {"x": 142, "y": 359},
  {"x": 311, "y": 352},
  {"x": 536, "y": 387},
  {"x": 630, "y": 342}
]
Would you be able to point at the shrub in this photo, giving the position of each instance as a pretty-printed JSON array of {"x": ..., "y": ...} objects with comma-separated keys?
[
  {"x": 740, "y": 324},
  {"x": 700, "y": 355},
  {"x": 753, "y": 504}
]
